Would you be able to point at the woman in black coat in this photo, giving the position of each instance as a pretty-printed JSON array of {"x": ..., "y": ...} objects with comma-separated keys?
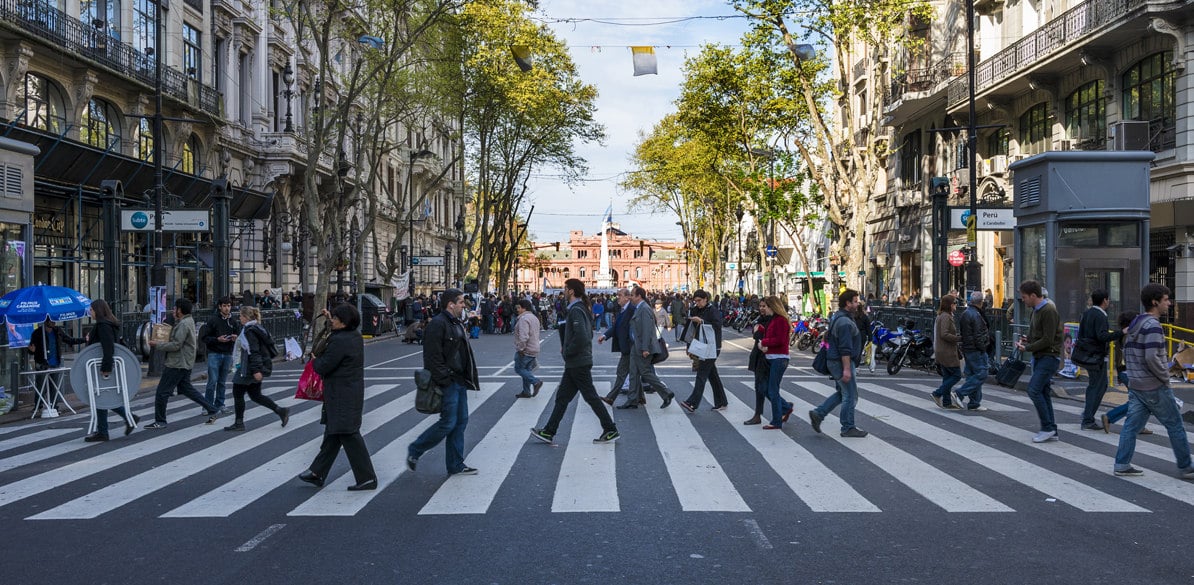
[
  {"x": 104, "y": 333},
  {"x": 342, "y": 367}
]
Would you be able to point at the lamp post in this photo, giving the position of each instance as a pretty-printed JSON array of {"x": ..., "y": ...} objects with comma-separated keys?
[
  {"x": 447, "y": 265},
  {"x": 410, "y": 214},
  {"x": 460, "y": 249},
  {"x": 738, "y": 213},
  {"x": 288, "y": 93},
  {"x": 973, "y": 268}
]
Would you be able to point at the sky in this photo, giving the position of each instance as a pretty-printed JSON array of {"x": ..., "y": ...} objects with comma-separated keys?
[{"x": 625, "y": 105}]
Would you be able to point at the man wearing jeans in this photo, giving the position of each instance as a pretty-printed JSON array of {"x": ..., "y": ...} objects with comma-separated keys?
[
  {"x": 972, "y": 327},
  {"x": 1148, "y": 385},
  {"x": 219, "y": 335},
  {"x": 1044, "y": 342},
  {"x": 526, "y": 348},
  {"x": 845, "y": 347}
]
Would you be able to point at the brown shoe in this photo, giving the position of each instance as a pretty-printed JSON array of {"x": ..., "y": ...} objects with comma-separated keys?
[
  {"x": 535, "y": 388},
  {"x": 1145, "y": 431},
  {"x": 607, "y": 400},
  {"x": 752, "y": 421}
]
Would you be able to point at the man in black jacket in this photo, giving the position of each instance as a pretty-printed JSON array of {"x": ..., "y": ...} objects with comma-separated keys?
[
  {"x": 576, "y": 346},
  {"x": 449, "y": 358},
  {"x": 219, "y": 335},
  {"x": 972, "y": 328},
  {"x": 1094, "y": 333},
  {"x": 619, "y": 332}
]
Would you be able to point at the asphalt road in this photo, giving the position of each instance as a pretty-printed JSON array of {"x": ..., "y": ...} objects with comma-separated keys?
[{"x": 931, "y": 497}]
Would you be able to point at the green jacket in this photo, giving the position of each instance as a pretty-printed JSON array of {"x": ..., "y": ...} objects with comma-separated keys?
[
  {"x": 1044, "y": 332},
  {"x": 180, "y": 350}
]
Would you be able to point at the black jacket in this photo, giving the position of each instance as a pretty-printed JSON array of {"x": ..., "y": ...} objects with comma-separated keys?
[
  {"x": 576, "y": 341},
  {"x": 756, "y": 355},
  {"x": 619, "y": 332},
  {"x": 447, "y": 354},
  {"x": 710, "y": 315},
  {"x": 37, "y": 345},
  {"x": 342, "y": 368},
  {"x": 216, "y": 327},
  {"x": 1095, "y": 329},
  {"x": 105, "y": 333},
  {"x": 260, "y": 358},
  {"x": 972, "y": 328}
]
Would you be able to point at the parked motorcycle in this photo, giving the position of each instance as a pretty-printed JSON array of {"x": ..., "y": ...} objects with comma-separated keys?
[{"x": 916, "y": 352}]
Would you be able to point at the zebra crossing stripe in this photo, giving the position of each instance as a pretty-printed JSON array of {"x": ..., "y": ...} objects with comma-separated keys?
[
  {"x": 816, "y": 485},
  {"x": 588, "y": 475},
  {"x": 389, "y": 463},
  {"x": 251, "y": 486},
  {"x": 936, "y": 486},
  {"x": 1163, "y": 484},
  {"x": 700, "y": 482},
  {"x": 1076, "y": 494},
  {"x": 41, "y": 455},
  {"x": 496, "y": 453},
  {"x": 31, "y": 438}
]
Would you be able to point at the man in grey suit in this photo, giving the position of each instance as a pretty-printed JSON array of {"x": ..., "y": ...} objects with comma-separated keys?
[{"x": 646, "y": 344}]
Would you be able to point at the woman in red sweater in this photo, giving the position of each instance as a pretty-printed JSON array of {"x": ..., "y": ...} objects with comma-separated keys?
[{"x": 774, "y": 346}]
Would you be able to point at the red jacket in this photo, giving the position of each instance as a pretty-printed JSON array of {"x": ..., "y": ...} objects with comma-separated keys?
[{"x": 777, "y": 336}]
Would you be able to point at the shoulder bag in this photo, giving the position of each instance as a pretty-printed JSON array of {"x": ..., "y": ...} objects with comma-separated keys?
[
  {"x": 429, "y": 397},
  {"x": 821, "y": 361}
]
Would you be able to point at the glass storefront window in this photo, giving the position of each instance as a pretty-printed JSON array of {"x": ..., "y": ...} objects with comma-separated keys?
[
  {"x": 1034, "y": 253},
  {"x": 12, "y": 257}
]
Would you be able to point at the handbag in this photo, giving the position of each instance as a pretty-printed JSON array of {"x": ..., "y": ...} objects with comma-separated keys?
[
  {"x": 310, "y": 385},
  {"x": 429, "y": 397},
  {"x": 702, "y": 347},
  {"x": 663, "y": 353},
  {"x": 1084, "y": 355},
  {"x": 821, "y": 360}
]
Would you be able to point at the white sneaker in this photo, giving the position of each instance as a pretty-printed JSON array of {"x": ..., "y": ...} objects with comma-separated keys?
[{"x": 1045, "y": 436}]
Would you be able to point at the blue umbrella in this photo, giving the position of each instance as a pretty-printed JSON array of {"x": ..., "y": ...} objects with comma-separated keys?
[{"x": 33, "y": 304}]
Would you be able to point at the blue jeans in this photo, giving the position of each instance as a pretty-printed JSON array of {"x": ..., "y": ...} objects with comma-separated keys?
[
  {"x": 218, "y": 365},
  {"x": 1159, "y": 403},
  {"x": 950, "y": 375},
  {"x": 1043, "y": 369},
  {"x": 451, "y": 424},
  {"x": 523, "y": 365},
  {"x": 975, "y": 370},
  {"x": 846, "y": 395},
  {"x": 775, "y": 374}
]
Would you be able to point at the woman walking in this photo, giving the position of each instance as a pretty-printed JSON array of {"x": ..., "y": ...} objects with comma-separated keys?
[
  {"x": 758, "y": 364},
  {"x": 946, "y": 352},
  {"x": 252, "y": 360},
  {"x": 342, "y": 367},
  {"x": 104, "y": 333},
  {"x": 774, "y": 346}
]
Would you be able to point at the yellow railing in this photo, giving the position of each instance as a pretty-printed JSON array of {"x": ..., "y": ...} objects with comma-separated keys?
[{"x": 1170, "y": 332}]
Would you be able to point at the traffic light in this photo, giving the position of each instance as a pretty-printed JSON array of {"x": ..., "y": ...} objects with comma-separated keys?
[{"x": 939, "y": 187}]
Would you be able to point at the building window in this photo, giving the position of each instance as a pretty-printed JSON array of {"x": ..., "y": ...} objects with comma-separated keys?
[
  {"x": 582, "y": 271},
  {"x": 44, "y": 107},
  {"x": 638, "y": 272},
  {"x": 998, "y": 142},
  {"x": 192, "y": 52},
  {"x": 1086, "y": 115},
  {"x": 1034, "y": 129},
  {"x": 101, "y": 14},
  {"x": 144, "y": 140},
  {"x": 246, "y": 89},
  {"x": 910, "y": 160},
  {"x": 190, "y": 155},
  {"x": 1149, "y": 96},
  {"x": 145, "y": 14},
  {"x": 100, "y": 126}
]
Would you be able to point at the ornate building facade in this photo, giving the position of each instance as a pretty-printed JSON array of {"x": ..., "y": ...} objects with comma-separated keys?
[{"x": 653, "y": 264}]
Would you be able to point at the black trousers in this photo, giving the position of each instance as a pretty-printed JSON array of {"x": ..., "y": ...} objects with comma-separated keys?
[
  {"x": 578, "y": 380},
  {"x": 254, "y": 392},
  {"x": 707, "y": 370},
  {"x": 354, "y": 448}
]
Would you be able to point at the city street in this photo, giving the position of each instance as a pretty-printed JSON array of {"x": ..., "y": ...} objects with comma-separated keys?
[{"x": 932, "y": 496}]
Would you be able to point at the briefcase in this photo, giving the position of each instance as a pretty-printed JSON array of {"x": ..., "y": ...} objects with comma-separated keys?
[{"x": 1011, "y": 370}]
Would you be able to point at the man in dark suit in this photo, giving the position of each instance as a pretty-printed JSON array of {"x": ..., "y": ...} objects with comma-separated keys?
[
  {"x": 1095, "y": 333},
  {"x": 619, "y": 332},
  {"x": 646, "y": 344}
]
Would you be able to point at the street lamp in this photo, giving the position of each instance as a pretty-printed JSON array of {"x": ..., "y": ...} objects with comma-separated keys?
[
  {"x": 447, "y": 265},
  {"x": 410, "y": 215},
  {"x": 460, "y": 249},
  {"x": 288, "y": 93},
  {"x": 738, "y": 213}
]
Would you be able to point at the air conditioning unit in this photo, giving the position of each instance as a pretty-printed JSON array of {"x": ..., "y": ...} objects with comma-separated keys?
[
  {"x": 998, "y": 164},
  {"x": 1129, "y": 135},
  {"x": 984, "y": 167}
]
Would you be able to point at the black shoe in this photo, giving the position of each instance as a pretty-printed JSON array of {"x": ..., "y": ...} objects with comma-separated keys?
[
  {"x": 129, "y": 428},
  {"x": 523, "y": 395},
  {"x": 412, "y": 462},
  {"x": 1094, "y": 426},
  {"x": 1130, "y": 471},
  {"x": 235, "y": 427},
  {"x": 95, "y": 438},
  {"x": 543, "y": 435},
  {"x": 854, "y": 432},
  {"x": 310, "y": 477},
  {"x": 607, "y": 437},
  {"x": 687, "y": 407},
  {"x": 212, "y": 416},
  {"x": 466, "y": 470},
  {"x": 626, "y": 406},
  {"x": 155, "y": 425},
  {"x": 369, "y": 484},
  {"x": 284, "y": 414},
  {"x": 607, "y": 400},
  {"x": 668, "y": 401},
  {"x": 815, "y": 419}
]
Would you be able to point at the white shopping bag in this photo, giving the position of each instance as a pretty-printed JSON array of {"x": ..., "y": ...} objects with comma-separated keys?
[
  {"x": 704, "y": 346},
  {"x": 293, "y": 351}
]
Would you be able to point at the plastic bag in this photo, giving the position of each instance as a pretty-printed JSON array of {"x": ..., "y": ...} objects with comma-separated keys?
[
  {"x": 293, "y": 351},
  {"x": 310, "y": 385}
]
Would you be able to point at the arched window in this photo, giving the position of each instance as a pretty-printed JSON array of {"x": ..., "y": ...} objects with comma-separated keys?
[
  {"x": 190, "y": 155},
  {"x": 1034, "y": 129},
  {"x": 100, "y": 126},
  {"x": 582, "y": 271},
  {"x": 1149, "y": 95},
  {"x": 144, "y": 140},
  {"x": 638, "y": 272},
  {"x": 44, "y": 107},
  {"x": 1086, "y": 116}
]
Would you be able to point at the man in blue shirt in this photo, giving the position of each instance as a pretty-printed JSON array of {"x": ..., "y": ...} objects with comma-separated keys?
[{"x": 845, "y": 348}]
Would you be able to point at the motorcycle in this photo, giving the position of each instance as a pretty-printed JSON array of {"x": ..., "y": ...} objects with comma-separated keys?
[{"x": 915, "y": 352}]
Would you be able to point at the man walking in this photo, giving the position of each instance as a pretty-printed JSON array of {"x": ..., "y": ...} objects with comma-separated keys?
[
  {"x": 1148, "y": 385},
  {"x": 526, "y": 348},
  {"x": 704, "y": 313},
  {"x": 219, "y": 335},
  {"x": 976, "y": 336},
  {"x": 845, "y": 347},
  {"x": 1093, "y": 335},
  {"x": 1044, "y": 342},
  {"x": 449, "y": 357},
  {"x": 180, "y": 358},
  {"x": 620, "y": 334},
  {"x": 645, "y": 339},
  {"x": 576, "y": 346}
]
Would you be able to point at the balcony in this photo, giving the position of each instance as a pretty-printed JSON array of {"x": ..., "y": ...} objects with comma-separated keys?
[{"x": 63, "y": 32}]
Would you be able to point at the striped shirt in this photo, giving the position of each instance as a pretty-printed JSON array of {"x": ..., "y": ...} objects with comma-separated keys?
[{"x": 1144, "y": 353}]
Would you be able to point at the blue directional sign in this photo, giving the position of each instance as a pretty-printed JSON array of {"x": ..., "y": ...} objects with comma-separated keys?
[{"x": 772, "y": 251}]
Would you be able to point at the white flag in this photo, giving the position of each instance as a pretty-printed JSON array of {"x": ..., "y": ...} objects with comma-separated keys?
[{"x": 401, "y": 284}]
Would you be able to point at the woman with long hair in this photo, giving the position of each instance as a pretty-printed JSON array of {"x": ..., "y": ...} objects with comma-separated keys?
[
  {"x": 774, "y": 346},
  {"x": 758, "y": 364},
  {"x": 946, "y": 352},
  {"x": 105, "y": 332},
  {"x": 252, "y": 361}
]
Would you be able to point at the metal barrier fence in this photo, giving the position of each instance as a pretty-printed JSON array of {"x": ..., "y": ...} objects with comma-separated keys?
[
  {"x": 280, "y": 323},
  {"x": 923, "y": 317}
]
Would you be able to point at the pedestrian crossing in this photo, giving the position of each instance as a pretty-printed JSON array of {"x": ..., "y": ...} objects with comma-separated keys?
[{"x": 917, "y": 457}]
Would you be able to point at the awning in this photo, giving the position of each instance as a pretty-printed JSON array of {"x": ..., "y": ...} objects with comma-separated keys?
[{"x": 71, "y": 164}]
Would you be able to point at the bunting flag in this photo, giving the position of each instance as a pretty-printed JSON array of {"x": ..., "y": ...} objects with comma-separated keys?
[
  {"x": 644, "y": 61},
  {"x": 522, "y": 56}
]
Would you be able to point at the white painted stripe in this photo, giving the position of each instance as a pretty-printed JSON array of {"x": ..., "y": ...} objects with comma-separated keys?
[
  {"x": 700, "y": 482},
  {"x": 256, "y": 540},
  {"x": 33, "y": 438},
  {"x": 814, "y": 483},
  {"x": 1162, "y": 483},
  {"x": 1034, "y": 476},
  {"x": 588, "y": 479},
  {"x": 253, "y": 485},
  {"x": 389, "y": 463},
  {"x": 401, "y": 357},
  {"x": 496, "y": 453},
  {"x": 41, "y": 455},
  {"x": 931, "y": 483},
  {"x": 756, "y": 533},
  {"x": 923, "y": 390}
]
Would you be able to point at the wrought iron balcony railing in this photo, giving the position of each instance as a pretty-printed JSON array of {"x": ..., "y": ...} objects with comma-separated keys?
[{"x": 920, "y": 79}]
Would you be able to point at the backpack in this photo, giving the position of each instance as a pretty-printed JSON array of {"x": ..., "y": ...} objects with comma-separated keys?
[{"x": 267, "y": 342}]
